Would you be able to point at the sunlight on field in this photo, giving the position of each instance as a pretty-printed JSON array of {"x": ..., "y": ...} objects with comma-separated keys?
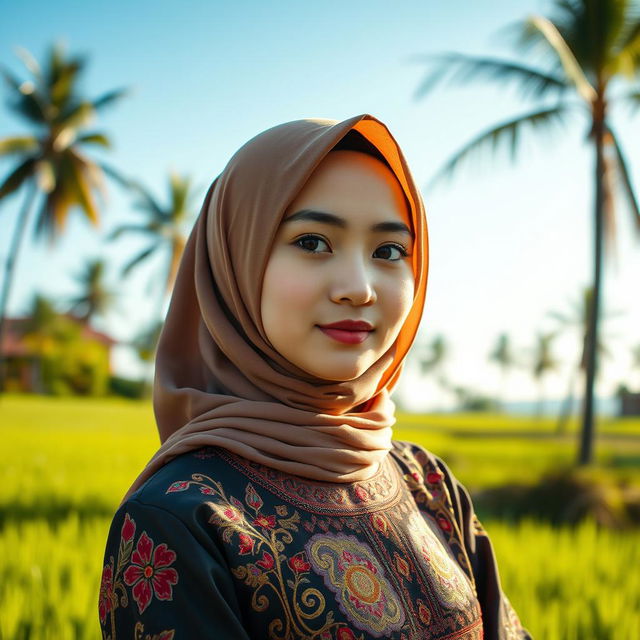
[{"x": 68, "y": 462}]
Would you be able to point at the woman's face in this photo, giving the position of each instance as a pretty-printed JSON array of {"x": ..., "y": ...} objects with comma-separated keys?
[{"x": 342, "y": 253}]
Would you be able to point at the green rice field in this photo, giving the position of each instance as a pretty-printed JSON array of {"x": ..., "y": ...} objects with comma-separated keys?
[{"x": 69, "y": 461}]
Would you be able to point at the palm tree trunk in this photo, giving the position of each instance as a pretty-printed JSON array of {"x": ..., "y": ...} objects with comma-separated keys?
[
  {"x": 16, "y": 241},
  {"x": 586, "y": 441}
]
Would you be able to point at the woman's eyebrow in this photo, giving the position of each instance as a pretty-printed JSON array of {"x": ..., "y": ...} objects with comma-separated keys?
[{"x": 337, "y": 221}]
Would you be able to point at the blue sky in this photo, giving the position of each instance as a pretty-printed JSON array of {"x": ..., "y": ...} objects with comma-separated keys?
[{"x": 509, "y": 241}]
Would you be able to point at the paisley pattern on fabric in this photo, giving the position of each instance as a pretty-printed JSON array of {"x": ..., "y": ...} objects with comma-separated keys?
[
  {"x": 450, "y": 583},
  {"x": 276, "y": 566},
  {"x": 295, "y": 559},
  {"x": 351, "y": 571}
]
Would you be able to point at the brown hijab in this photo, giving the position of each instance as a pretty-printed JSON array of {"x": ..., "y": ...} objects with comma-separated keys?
[{"x": 218, "y": 381}]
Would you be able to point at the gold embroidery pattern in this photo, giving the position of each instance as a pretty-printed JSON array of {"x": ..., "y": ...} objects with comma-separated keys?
[
  {"x": 382, "y": 578},
  {"x": 450, "y": 584},
  {"x": 275, "y": 578},
  {"x": 351, "y": 571}
]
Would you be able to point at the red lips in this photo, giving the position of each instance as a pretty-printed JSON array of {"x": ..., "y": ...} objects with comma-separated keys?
[
  {"x": 349, "y": 325},
  {"x": 348, "y": 331}
]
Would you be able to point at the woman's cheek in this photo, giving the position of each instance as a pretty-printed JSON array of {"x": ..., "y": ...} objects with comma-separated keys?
[
  {"x": 403, "y": 298},
  {"x": 296, "y": 289}
]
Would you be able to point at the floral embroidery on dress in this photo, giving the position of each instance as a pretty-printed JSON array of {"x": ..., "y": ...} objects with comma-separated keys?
[
  {"x": 451, "y": 585},
  {"x": 271, "y": 573},
  {"x": 147, "y": 572},
  {"x": 351, "y": 571},
  {"x": 163, "y": 635},
  {"x": 431, "y": 495},
  {"x": 318, "y": 497},
  {"x": 378, "y": 595}
]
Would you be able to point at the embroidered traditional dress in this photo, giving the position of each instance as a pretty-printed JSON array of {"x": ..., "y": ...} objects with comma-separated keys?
[{"x": 216, "y": 546}]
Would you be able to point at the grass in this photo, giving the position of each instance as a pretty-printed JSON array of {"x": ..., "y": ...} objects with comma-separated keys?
[{"x": 67, "y": 463}]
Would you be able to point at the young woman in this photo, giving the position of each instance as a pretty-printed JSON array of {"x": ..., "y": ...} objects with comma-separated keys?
[{"x": 278, "y": 505}]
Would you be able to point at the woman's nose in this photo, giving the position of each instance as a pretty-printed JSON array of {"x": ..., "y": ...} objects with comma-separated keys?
[{"x": 353, "y": 282}]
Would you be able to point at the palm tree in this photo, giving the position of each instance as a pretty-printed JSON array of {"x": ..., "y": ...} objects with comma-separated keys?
[
  {"x": 51, "y": 160},
  {"x": 432, "y": 357},
  {"x": 95, "y": 299},
  {"x": 502, "y": 355},
  {"x": 590, "y": 44},
  {"x": 164, "y": 229},
  {"x": 543, "y": 363},
  {"x": 578, "y": 318}
]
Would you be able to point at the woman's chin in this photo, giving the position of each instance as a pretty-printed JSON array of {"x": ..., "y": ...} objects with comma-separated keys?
[{"x": 338, "y": 372}]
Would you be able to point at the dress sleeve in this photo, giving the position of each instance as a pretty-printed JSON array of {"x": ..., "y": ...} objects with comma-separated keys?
[
  {"x": 161, "y": 581},
  {"x": 500, "y": 621}
]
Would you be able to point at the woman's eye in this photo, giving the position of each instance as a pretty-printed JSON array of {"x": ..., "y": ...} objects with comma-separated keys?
[
  {"x": 310, "y": 243},
  {"x": 392, "y": 252}
]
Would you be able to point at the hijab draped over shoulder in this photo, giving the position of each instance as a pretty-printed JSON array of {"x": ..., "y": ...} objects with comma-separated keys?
[{"x": 218, "y": 380}]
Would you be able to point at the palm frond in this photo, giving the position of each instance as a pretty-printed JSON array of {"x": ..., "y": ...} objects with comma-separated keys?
[
  {"x": 61, "y": 74},
  {"x": 509, "y": 131},
  {"x": 84, "y": 195},
  {"x": 29, "y": 61},
  {"x": 93, "y": 170},
  {"x": 141, "y": 257},
  {"x": 17, "y": 177},
  {"x": 464, "y": 69},
  {"x": 108, "y": 98},
  {"x": 25, "y": 101},
  {"x": 129, "y": 228},
  {"x": 628, "y": 57},
  {"x": 180, "y": 196},
  {"x": 592, "y": 31},
  {"x": 146, "y": 201},
  {"x": 119, "y": 177},
  {"x": 95, "y": 138},
  {"x": 77, "y": 115},
  {"x": 18, "y": 144},
  {"x": 45, "y": 175},
  {"x": 626, "y": 179},
  {"x": 571, "y": 67},
  {"x": 55, "y": 206}
]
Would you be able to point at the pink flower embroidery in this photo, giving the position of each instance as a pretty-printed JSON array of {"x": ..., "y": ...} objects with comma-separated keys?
[
  {"x": 232, "y": 514},
  {"x": 246, "y": 544},
  {"x": 267, "y": 561},
  {"x": 180, "y": 485},
  {"x": 128, "y": 528},
  {"x": 345, "y": 634},
  {"x": 150, "y": 576},
  {"x": 105, "y": 601},
  {"x": 434, "y": 477},
  {"x": 298, "y": 563},
  {"x": 266, "y": 522},
  {"x": 252, "y": 498}
]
